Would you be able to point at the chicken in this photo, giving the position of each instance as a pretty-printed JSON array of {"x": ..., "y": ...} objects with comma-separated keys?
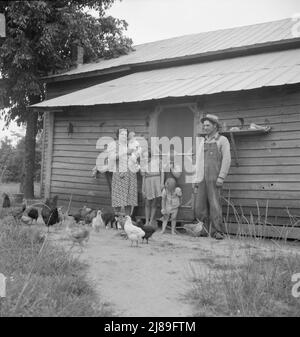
[
  {"x": 77, "y": 235},
  {"x": 27, "y": 220},
  {"x": 80, "y": 235},
  {"x": 6, "y": 201},
  {"x": 120, "y": 221},
  {"x": 134, "y": 233},
  {"x": 149, "y": 230},
  {"x": 68, "y": 221},
  {"x": 60, "y": 215},
  {"x": 29, "y": 216},
  {"x": 109, "y": 218},
  {"x": 97, "y": 222},
  {"x": 82, "y": 214},
  {"x": 39, "y": 220},
  {"x": 50, "y": 212},
  {"x": 33, "y": 213},
  {"x": 17, "y": 212},
  {"x": 195, "y": 229},
  {"x": 88, "y": 219}
]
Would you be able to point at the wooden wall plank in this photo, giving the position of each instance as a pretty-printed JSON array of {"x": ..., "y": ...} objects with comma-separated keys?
[
  {"x": 266, "y": 178},
  {"x": 246, "y": 201},
  {"x": 263, "y": 186},
  {"x": 261, "y": 194},
  {"x": 74, "y": 160},
  {"x": 263, "y": 231},
  {"x": 62, "y": 177},
  {"x": 272, "y": 212}
]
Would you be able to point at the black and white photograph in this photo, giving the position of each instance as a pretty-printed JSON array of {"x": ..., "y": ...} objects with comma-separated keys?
[{"x": 150, "y": 161}]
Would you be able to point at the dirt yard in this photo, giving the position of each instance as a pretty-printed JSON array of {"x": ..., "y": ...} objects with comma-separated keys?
[{"x": 155, "y": 279}]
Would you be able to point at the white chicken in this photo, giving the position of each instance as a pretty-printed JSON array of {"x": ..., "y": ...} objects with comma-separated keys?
[
  {"x": 134, "y": 233},
  {"x": 69, "y": 222},
  {"x": 60, "y": 215},
  {"x": 40, "y": 220},
  {"x": 97, "y": 222},
  {"x": 25, "y": 219}
]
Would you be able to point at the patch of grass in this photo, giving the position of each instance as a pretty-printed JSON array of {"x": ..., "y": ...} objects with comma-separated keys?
[
  {"x": 261, "y": 286},
  {"x": 207, "y": 260},
  {"x": 166, "y": 244},
  {"x": 57, "y": 285},
  {"x": 259, "y": 283}
]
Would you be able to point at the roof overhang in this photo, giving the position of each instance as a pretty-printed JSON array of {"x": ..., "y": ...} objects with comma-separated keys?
[{"x": 229, "y": 75}]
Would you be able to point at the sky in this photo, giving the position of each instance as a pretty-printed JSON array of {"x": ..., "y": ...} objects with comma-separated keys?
[{"x": 152, "y": 20}]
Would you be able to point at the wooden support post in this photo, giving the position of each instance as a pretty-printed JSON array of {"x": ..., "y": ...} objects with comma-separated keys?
[
  {"x": 49, "y": 153},
  {"x": 42, "y": 181}
]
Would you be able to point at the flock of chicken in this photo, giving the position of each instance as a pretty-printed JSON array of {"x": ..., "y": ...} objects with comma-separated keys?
[{"x": 77, "y": 224}]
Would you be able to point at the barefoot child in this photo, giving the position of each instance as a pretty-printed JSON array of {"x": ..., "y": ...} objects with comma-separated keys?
[{"x": 171, "y": 200}]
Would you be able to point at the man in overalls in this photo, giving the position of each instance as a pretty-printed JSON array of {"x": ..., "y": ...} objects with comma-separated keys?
[{"x": 217, "y": 161}]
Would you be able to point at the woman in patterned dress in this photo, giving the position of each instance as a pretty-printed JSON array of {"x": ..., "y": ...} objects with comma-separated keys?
[{"x": 124, "y": 195}]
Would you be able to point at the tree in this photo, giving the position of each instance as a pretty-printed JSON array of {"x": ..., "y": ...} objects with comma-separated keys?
[
  {"x": 11, "y": 160},
  {"x": 40, "y": 37}
]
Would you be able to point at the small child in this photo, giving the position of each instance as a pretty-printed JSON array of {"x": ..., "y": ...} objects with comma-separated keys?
[
  {"x": 133, "y": 144},
  {"x": 171, "y": 200},
  {"x": 134, "y": 152}
]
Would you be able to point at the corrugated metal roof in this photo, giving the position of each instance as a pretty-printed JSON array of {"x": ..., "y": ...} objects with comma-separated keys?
[
  {"x": 195, "y": 44},
  {"x": 240, "y": 73}
]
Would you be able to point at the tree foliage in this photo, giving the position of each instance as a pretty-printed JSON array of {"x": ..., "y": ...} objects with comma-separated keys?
[
  {"x": 11, "y": 160},
  {"x": 40, "y": 38}
]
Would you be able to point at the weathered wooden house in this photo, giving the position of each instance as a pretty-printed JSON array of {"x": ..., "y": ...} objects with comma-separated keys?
[{"x": 244, "y": 75}]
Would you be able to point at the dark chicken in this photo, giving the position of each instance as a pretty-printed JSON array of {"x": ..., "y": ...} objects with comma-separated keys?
[
  {"x": 33, "y": 213},
  {"x": 109, "y": 218},
  {"x": 149, "y": 230},
  {"x": 6, "y": 201},
  {"x": 90, "y": 216},
  {"x": 85, "y": 214},
  {"x": 49, "y": 212}
]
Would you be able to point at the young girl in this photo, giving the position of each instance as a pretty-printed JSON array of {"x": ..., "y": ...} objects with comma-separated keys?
[
  {"x": 153, "y": 178},
  {"x": 171, "y": 200}
]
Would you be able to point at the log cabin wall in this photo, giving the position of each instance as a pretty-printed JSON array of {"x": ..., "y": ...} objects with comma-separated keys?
[
  {"x": 74, "y": 155},
  {"x": 268, "y": 175}
]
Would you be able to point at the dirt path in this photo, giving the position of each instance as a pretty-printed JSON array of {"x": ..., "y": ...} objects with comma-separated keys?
[{"x": 154, "y": 279}]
